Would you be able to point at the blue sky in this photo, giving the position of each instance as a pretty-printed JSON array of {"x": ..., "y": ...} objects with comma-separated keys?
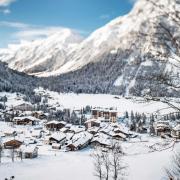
[{"x": 31, "y": 19}]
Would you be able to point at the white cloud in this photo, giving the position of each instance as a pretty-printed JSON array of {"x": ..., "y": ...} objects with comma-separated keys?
[
  {"x": 17, "y": 25},
  {"x": 4, "y": 6},
  {"x": 28, "y": 32},
  {"x": 5, "y": 3},
  {"x": 36, "y": 33}
]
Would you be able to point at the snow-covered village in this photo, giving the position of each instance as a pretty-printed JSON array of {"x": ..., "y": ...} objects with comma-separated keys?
[
  {"x": 72, "y": 134},
  {"x": 90, "y": 90}
]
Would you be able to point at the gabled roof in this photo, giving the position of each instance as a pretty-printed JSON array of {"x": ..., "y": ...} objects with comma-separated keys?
[
  {"x": 58, "y": 136},
  {"x": 28, "y": 149},
  {"x": 25, "y": 117},
  {"x": 80, "y": 139}
]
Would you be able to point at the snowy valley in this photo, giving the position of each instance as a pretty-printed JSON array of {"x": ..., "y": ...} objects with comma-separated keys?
[{"x": 101, "y": 107}]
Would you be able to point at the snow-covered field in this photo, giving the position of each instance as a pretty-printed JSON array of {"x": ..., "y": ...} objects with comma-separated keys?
[
  {"x": 53, "y": 165},
  {"x": 73, "y": 101},
  {"x": 77, "y": 101}
]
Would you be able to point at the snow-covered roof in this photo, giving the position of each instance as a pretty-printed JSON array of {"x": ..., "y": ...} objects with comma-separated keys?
[
  {"x": 93, "y": 129},
  {"x": 162, "y": 125},
  {"x": 28, "y": 149},
  {"x": 81, "y": 138},
  {"x": 56, "y": 122},
  {"x": 64, "y": 129},
  {"x": 20, "y": 139},
  {"x": 118, "y": 135},
  {"x": 77, "y": 129},
  {"x": 58, "y": 136},
  {"x": 26, "y": 117},
  {"x": 102, "y": 139},
  {"x": 68, "y": 125},
  {"x": 36, "y": 132},
  {"x": 177, "y": 128},
  {"x": 93, "y": 120},
  {"x": 105, "y": 109}
]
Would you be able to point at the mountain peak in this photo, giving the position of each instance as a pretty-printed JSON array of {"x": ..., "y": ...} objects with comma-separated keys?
[{"x": 129, "y": 55}]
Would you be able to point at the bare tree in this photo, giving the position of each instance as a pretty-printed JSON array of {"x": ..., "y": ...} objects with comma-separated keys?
[
  {"x": 98, "y": 164},
  {"x": 174, "y": 172},
  {"x": 1, "y": 150},
  {"x": 116, "y": 162},
  {"x": 107, "y": 164}
]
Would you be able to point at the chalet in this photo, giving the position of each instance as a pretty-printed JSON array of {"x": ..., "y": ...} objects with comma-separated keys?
[
  {"x": 119, "y": 136},
  {"x": 121, "y": 130},
  {"x": 55, "y": 125},
  {"x": 24, "y": 107},
  {"x": 26, "y": 120},
  {"x": 175, "y": 133},
  {"x": 12, "y": 144},
  {"x": 162, "y": 128},
  {"x": 106, "y": 113},
  {"x": 59, "y": 138},
  {"x": 92, "y": 123},
  {"x": 101, "y": 140},
  {"x": 79, "y": 141},
  {"x": 97, "y": 143},
  {"x": 28, "y": 152},
  {"x": 40, "y": 115}
]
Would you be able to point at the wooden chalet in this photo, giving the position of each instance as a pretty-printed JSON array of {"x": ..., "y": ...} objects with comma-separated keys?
[
  {"x": 79, "y": 141},
  {"x": 59, "y": 138},
  {"x": 40, "y": 115},
  {"x": 162, "y": 128},
  {"x": 55, "y": 125},
  {"x": 24, "y": 107},
  {"x": 12, "y": 144},
  {"x": 26, "y": 120},
  {"x": 101, "y": 140},
  {"x": 119, "y": 136}
]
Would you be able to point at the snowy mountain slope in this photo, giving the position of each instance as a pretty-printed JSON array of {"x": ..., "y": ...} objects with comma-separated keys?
[
  {"x": 42, "y": 55},
  {"x": 136, "y": 54},
  {"x": 140, "y": 51},
  {"x": 110, "y": 38},
  {"x": 119, "y": 33}
]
